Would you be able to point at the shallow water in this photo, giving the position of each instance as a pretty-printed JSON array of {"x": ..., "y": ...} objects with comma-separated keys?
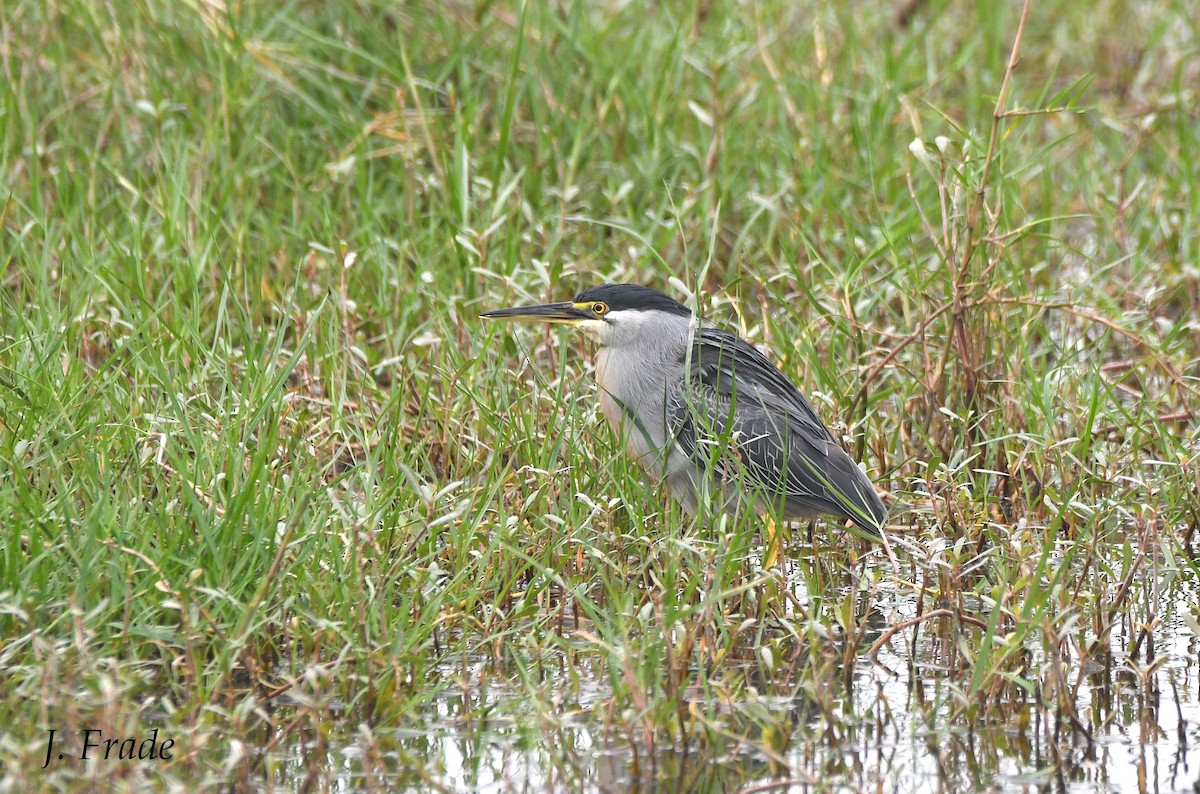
[{"x": 889, "y": 727}]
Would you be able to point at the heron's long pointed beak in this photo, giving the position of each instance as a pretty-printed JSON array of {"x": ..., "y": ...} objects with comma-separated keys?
[{"x": 564, "y": 312}]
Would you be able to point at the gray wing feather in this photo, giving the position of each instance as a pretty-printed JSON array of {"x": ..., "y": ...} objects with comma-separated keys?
[{"x": 781, "y": 445}]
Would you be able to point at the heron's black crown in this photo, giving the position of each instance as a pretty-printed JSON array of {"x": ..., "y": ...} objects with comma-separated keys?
[{"x": 632, "y": 297}]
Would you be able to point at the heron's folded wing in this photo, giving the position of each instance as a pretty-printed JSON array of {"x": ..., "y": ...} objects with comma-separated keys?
[{"x": 784, "y": 448}]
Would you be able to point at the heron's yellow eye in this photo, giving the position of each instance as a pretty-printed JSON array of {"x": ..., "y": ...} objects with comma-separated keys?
[{"x": 599, "y": 308}]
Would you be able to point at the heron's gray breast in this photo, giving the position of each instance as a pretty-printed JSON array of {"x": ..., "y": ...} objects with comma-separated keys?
[{"x": 634, "y": 394}]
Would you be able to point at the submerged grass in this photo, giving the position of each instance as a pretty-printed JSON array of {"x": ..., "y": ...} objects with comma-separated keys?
[{"x": 277, "y": 493}]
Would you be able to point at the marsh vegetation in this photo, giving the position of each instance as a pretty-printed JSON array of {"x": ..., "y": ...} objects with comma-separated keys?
[{"x": 273, "y": 490}]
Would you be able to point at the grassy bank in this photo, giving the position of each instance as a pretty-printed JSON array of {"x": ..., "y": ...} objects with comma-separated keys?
[{"x": 276, "y": 491}]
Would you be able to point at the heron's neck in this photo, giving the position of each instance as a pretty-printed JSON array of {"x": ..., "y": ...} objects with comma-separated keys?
[{"x": 636, "y": 378}]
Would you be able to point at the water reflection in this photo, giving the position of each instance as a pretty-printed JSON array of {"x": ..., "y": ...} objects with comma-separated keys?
[{"x": 1121, "y": 722}]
